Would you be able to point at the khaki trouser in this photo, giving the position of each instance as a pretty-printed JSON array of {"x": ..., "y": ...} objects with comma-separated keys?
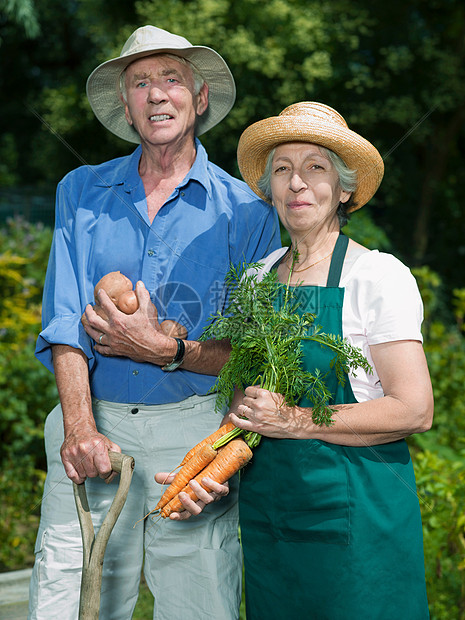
[{"x": 192, "y": 567}]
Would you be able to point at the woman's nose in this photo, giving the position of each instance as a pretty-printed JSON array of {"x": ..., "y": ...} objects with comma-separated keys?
[{"x": 297, "y": 183}]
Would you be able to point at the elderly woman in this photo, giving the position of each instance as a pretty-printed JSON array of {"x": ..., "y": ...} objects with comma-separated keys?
[{"x": 331, "y": 523}]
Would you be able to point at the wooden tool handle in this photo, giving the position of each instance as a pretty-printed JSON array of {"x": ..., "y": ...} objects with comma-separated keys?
[{"x": 118, "y": 460}]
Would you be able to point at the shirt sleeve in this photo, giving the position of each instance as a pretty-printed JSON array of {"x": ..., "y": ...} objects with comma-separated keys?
[
  {"x": 393, "y": 305},
  {"x": 256, "y": 232},
  {"x": 265, "y": 238},
  {"x": 62, "y": 305}
]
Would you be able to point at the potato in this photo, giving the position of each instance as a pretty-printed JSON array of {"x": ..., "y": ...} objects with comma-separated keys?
[
  {"x": 127, "y": 302},
  {"x": 174, "y": 329},
  {"x": 114, "y": 284},
  {"x": 119, "y": 289}
]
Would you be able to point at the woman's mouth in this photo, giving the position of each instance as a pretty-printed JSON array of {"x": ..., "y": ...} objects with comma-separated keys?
[{"x": 297, "y": 204}]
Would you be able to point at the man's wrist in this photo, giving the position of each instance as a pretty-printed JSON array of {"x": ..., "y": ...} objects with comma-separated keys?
[{"x": 178, "y": 357}]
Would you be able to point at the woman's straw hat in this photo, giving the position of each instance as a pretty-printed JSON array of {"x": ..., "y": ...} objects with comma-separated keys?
[
  {"x": 103, "y": 84},
  {"x": 315, "y": 123}
]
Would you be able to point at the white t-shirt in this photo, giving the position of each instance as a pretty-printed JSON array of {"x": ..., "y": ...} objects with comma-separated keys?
[{"x": 382, "y": 303}]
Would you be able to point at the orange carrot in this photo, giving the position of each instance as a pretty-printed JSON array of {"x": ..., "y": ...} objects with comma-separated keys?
[
  {"x": 229, "y": 426},
  {"x": 229, "y": 460},
  {"x": 192, "y": 467}
]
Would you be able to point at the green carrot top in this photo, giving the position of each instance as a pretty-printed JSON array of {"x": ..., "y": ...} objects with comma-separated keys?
[{"x": 265, "y": 328}]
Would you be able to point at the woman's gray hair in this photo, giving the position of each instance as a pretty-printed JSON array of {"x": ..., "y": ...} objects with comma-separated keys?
[
  {"x": 199, "y": 80},
  {"x": 347, "y": 180}
]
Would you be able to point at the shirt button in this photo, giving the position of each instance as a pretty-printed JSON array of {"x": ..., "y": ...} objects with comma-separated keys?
[
  {"x": 183, "y": 194},
  {"x": 150, "y": 252},
  {"x": 134, "y": 411},
  {"x": 135, "y": 372}
]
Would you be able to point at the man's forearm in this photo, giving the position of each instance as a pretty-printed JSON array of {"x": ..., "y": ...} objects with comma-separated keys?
[
  {"x": 207, "y": 357},
  {"x": 84, "y": 452},
  {"x": 72, "y": 379}
]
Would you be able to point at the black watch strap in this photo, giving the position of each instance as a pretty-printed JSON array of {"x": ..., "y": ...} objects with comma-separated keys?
[{"x": 178, "y": 358}]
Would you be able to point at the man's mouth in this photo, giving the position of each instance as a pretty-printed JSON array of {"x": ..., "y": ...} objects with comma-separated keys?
[{"x": 160, "y": 117}]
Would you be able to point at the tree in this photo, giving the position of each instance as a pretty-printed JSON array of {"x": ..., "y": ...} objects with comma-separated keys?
[{"x": 395, "y": 71}]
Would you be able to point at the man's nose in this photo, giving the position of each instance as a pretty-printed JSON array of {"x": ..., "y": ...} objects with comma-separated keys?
[{"x": 156, "y": 94}]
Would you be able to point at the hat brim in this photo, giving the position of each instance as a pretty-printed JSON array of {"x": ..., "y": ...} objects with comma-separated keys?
[
  {"x": 357, "y": 153},
  {"x": 103, "y": 89}
]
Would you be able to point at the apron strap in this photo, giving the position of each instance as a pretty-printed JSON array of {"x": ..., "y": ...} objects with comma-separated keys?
[{"x": 337, "y": 261}]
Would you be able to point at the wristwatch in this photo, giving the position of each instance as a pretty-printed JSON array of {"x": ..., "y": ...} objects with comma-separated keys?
[{"x": 178, "y": 358}]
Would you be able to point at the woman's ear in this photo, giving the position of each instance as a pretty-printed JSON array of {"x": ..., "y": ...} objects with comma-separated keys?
[{"x": 344, "y": 197}]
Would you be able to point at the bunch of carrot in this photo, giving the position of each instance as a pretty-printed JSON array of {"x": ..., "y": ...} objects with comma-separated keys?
[
  {"x": 209, "y": 458},
  {"x": 266, "y": 332}
]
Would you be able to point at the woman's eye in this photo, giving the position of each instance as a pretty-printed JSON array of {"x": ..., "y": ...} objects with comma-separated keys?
[{"x": 141, "y": 84}]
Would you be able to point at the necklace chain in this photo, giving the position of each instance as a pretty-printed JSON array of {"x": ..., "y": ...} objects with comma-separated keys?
[{"x": 313, "y": 264}]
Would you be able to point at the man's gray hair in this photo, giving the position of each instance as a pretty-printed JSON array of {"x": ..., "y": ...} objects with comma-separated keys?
[
  {"x": 347, "y": 180},
  {"x": 199, "y": 80}
]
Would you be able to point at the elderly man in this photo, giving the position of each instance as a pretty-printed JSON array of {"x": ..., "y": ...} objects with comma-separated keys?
[{"x": 173, "y": 222}]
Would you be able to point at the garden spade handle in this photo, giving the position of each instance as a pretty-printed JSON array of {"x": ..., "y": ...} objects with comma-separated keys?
[{"x": 94, "y": 546}]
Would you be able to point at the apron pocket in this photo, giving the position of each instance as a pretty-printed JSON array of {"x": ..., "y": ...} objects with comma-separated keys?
[{"x": 314, "y": 503}]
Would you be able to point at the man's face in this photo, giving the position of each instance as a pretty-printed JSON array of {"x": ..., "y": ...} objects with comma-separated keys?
[{"x": 161, "y": 103}]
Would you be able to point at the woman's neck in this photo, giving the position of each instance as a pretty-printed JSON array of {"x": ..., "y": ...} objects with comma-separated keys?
[{"x": 305, "y": 250}]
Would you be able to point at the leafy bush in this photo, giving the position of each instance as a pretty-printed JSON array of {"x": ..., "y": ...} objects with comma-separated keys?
[
  {"x": 439, "y": 455},
  {"x": 27, "y": 389},
  {"x": 441, "y": 489},
  {"x": 445, "y": 350},
  {"x": 21, "y": 487}
]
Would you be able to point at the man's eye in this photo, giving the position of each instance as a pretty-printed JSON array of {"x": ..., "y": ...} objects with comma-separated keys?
[{"x": 141, "y": 84}]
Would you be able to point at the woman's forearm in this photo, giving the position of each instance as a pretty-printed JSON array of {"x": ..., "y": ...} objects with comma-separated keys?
[
  {"x": 377, "y": 421},
  {"x": 406, "y": 407}
]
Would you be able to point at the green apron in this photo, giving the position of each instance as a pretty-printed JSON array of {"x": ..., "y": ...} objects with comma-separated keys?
[{"x": 328, "y": 531}]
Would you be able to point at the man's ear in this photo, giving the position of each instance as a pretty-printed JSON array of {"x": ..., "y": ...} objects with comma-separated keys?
[
  {"x": 202, "y": 100},
  {"x": 126, "y": 111}
]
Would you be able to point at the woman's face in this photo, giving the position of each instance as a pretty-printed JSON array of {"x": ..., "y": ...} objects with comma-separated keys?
[{"x": 305, "y": 187}]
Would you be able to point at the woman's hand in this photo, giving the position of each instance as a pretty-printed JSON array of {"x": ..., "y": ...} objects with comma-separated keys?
[
  {"x": 192, "y": 508},
  {"x": 266, "y": 414}
]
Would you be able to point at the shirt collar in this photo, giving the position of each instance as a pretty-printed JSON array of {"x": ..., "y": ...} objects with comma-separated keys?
[
  {"x": 199, "y": 170},
  {"x": 127, "y": 172}
]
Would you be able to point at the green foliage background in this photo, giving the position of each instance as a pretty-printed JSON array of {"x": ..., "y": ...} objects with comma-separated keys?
[{"x": 395, "y": 71}]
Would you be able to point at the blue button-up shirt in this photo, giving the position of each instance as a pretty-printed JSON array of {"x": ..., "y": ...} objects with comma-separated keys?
[{"x": 210, "y": 221}]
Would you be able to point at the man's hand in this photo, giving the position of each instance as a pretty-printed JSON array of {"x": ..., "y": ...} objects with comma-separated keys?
[
  {"x": 137, "y": 336},
  {"x": 84, "y": 454}
]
